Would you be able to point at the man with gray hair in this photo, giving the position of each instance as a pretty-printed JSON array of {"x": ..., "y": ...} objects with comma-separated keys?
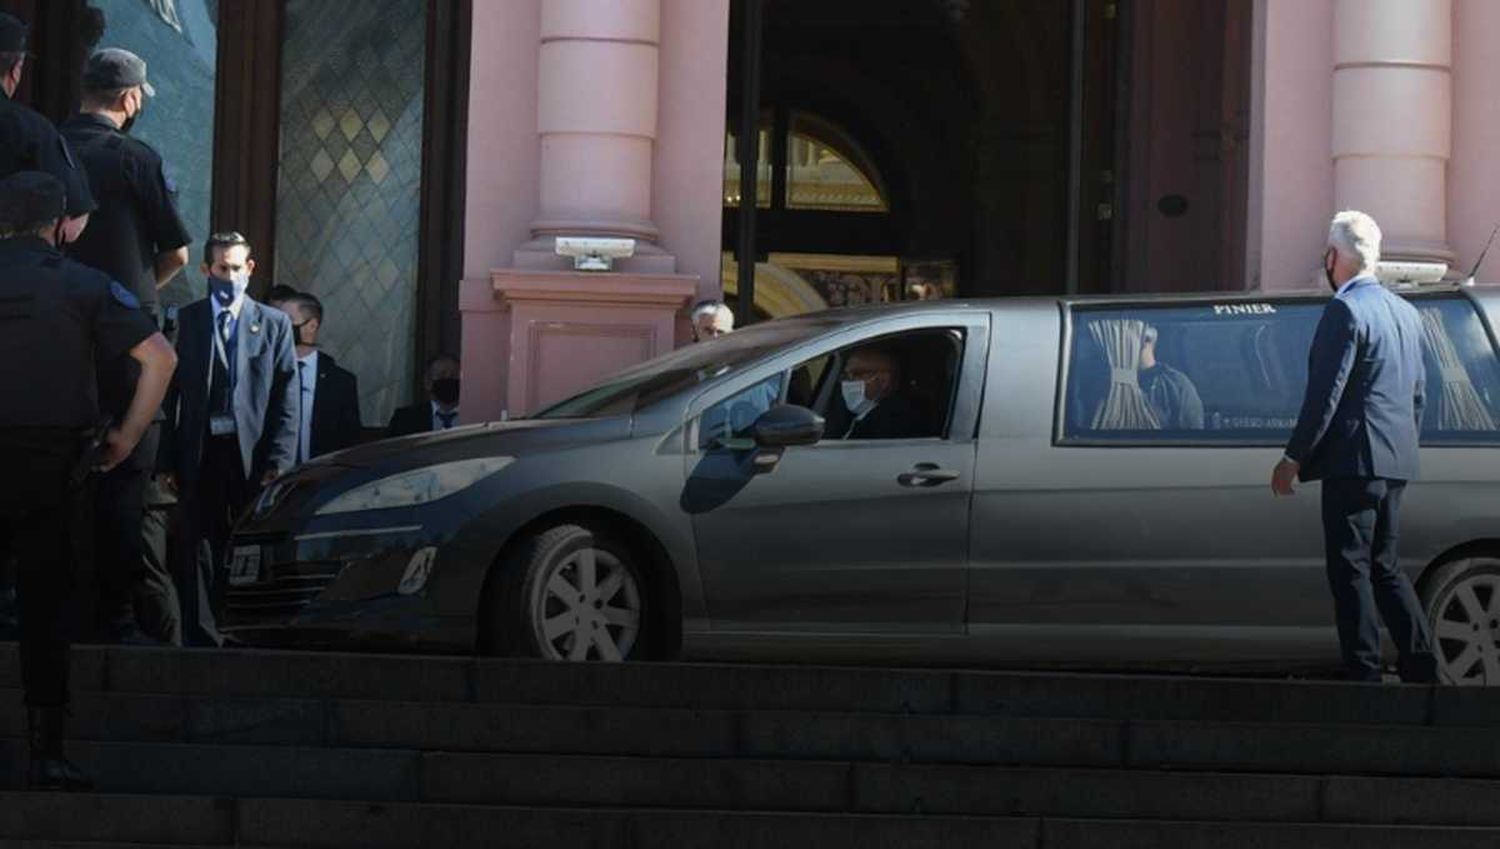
[
  {"x": 1358, "y": 433},
  {"x": 711, "y": 319}
]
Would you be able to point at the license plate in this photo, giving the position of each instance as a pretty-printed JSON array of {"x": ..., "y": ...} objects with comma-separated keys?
[{"x": 244, "y": 565}]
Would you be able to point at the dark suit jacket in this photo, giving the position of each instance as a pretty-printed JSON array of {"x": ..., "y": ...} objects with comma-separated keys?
[
  {"x": 335, "y": 414},
  {"x": 416, "y": 418},
  {"x": 897, "y": 417},
  {"x": 1365, "y": 388},
  {"x": 265, "y": 410}
]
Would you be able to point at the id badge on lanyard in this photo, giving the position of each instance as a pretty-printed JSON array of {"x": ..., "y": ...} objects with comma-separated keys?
[{"x": 221, "y": 422}]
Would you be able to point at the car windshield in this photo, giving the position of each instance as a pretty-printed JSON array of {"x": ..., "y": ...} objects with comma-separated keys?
[{"x": 667, "y": 375}]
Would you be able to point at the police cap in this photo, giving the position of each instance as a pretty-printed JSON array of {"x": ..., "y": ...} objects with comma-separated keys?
[
  {"x": 115, "y": 68},
  {"x": 13, "y": 32},
  {"x": 28, "y": 198}
]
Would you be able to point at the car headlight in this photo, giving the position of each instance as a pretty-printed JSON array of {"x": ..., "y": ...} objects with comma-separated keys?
[{"x": 419, "y": 486}]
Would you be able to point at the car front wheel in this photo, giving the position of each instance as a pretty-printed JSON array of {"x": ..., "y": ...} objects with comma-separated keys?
[{"x": 573, "y": 593}]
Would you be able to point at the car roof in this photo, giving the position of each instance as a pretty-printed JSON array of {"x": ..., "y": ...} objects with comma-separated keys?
[{"x": 866, "y": 312}]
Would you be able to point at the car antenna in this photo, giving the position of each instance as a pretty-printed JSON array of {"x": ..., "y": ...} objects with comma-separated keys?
[{"x": 1469, "y": 281}]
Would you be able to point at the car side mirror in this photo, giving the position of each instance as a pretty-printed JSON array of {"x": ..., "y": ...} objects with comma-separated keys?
[{"x": 786, "y": 425}]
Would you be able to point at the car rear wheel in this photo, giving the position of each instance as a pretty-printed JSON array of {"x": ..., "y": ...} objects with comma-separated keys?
[
  {"x": 1462, "y": 599},
  {"x": 571, "y": 593}
]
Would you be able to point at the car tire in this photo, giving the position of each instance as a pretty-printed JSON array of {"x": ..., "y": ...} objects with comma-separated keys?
[
  {"x": 571, "y": 592},
  {"x": 1462, "y": 601}
]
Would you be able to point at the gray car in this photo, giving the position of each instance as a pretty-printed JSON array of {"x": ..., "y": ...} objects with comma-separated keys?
[{"x": 1028, "y": 482}]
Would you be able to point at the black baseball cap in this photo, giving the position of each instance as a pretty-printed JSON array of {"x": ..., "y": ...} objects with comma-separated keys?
[
  {"x": 115, "y": 68},
  {"x": 13, "y": 32},
  {"x": 31, "y": 197}
]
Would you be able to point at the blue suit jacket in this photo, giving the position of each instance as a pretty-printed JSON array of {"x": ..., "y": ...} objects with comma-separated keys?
[
  {"x": 265, "y": 410},
  {"x": 1362, "y": 412}
]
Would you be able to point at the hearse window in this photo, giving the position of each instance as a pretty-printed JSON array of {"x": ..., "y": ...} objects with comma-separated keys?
[
  {"x": 1235, "y": 373},
  {"x": 1230, "y": 372},
  {"x": 1463, "y": 376}
]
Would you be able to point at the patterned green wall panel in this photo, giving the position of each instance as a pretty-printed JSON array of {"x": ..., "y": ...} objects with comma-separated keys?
[{"x": 349, "y": 187}]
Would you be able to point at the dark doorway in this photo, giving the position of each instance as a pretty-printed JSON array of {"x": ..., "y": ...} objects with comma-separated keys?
[{"x": 1009, "y": 143}]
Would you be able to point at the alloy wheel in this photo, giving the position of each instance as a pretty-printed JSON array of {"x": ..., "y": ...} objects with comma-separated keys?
[
  {"x": 1467, "y": 629},
  {"x": 587, "y": 607}
]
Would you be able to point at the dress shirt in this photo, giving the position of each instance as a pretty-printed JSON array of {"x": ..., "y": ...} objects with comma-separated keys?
[
  {"x": 437, "y": 423},
  {"x": 307, "y": 374}
]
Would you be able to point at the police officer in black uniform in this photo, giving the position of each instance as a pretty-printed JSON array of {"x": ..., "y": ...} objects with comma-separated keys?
[
  {"x": 56, "y": 316},
  {"x": 29, "y": 142},
  {"x": 136, "y": 237}
]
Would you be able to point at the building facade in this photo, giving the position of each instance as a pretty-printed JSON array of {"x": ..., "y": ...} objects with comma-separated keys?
[{"x": 412, "y": 162}]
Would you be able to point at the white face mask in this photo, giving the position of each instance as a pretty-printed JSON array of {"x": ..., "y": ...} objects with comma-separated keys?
[{"x": 854, "y": 395}]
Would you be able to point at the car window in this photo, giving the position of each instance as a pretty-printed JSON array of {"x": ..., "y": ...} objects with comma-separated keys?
[
  {"x": 895, "y": 387},
  {"x": 1236, "y": 372},
  {"x": 734, "y": 417},
  {"x": 657, "y": 379},
  {"x": 1204, "y": 372},
  {"x": 1463, "y": 375}
]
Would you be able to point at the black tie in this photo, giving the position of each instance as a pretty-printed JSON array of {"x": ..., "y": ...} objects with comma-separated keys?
[{"x": 447, "y": 418}]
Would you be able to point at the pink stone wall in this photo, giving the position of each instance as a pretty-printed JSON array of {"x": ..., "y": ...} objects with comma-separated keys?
[
  {"x": 501, "y": 189},
  {"x": 587, "y": 117},
  {"x": 689, "y": 164},
  {"x": 1474, "y": 172},
  {"x": 1291, "y": 191}
]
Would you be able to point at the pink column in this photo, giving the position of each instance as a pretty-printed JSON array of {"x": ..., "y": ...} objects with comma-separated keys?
[
  {"x": 1392, "y": 120},
  {"x": 542, "y": 329},
  {"x": 1474, "y": 171},
  {"x": 597, "y": 118}
]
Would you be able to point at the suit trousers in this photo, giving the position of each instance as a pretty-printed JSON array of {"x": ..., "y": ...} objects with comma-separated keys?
[
  {"x": 36, "y": 513},
  {"x": 208, "y": 513},
  {"x": 1361, "y": 529}
]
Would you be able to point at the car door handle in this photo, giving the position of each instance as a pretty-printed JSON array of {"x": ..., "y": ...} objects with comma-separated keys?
[{"x": 927, "y": 474}]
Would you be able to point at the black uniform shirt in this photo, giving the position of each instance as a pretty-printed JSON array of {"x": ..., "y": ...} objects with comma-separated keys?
[
  {"x": 56, "y": 316},
  {"x": 137, "y": 218},
  {"x": 29, "y": 142}
]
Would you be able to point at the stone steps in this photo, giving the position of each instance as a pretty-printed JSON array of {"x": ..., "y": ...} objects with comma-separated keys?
[
  {"x": 178, "y": 821},
  {"x": 448, "y": 679},
  {"x": 395, "y": 775},
  {"x": 285, "y": 749},
  {"x": 1311, "y": 748}
]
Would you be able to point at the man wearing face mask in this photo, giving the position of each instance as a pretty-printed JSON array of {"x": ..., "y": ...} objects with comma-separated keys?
[
  {"x": 329, "y": 405},
  {"x": 871, "y": 391},
  {"x": 1358, "y": 433},
  {"x": 29, "y": 142},
  {"x": 135, "y": 236},
  {"x": 232, "y": 416},
  {"x": 440, "y": 412}
]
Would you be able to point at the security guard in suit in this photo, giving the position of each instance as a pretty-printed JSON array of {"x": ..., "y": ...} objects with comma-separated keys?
[
  {"x": 137, "y": 238},
  {"x": 56, "y": 316}
]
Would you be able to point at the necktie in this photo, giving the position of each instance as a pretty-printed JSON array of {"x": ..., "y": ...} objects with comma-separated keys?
[
  {"x": 447, "y": 418},
  {"x": 224, "y": 319}
]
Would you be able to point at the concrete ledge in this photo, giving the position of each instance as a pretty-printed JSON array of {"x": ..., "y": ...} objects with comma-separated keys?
[
  {"x": 718, "y": 686},
  {"x": 117, "y": 819},
  {"x": 1166, "y": 697},
  {"x": 323, "y": 824},
  {"x": 1349, "y": 749},
  {"x": 1104, "y": 834}
]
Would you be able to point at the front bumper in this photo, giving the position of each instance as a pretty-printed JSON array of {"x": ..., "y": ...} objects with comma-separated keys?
[{"x": 337, "y": 588}]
